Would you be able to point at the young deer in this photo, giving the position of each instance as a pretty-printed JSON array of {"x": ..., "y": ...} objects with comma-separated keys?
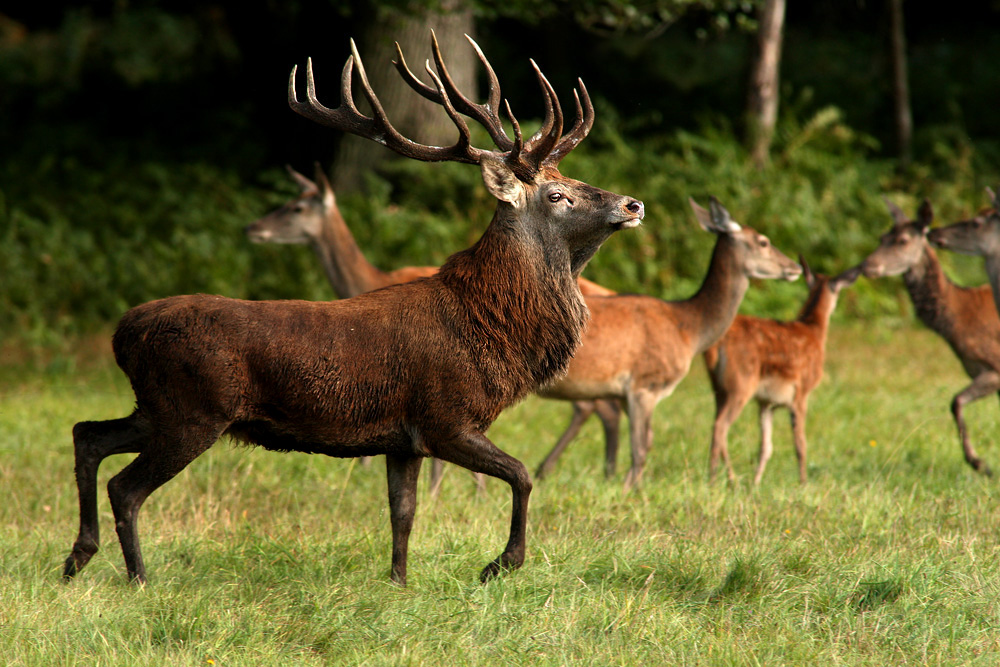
[
  {"x": 965, "y": 317},
  {"x": 638, "y": 348},
  {"x": 314, "y": 218},
  {"x": 777, "y": 363},
  {"x": 979, "y": 235},
  {"x": 413, "y": 370}
]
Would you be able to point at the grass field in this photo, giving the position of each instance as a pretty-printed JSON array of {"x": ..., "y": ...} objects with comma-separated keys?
[{"x": 887, "y": 556}]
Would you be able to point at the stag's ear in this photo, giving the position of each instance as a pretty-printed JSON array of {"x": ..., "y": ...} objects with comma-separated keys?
[
  {"x": 993, "y": 197},
  {"x": 925, "y": 215},
  {"x": 501, "y": 182}
]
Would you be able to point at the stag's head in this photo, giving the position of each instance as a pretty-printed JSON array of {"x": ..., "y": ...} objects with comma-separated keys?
[
  {"x": 756, "y": 256},
  {"x": 979, "y": 235},
  {"x": 300, "y": 220},
  {"x": 534, "y": 199},
  {"x": 902, "y": 247}
]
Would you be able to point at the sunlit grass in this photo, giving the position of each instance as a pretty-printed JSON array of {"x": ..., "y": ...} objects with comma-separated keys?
[{"x": 887, "y": 555}]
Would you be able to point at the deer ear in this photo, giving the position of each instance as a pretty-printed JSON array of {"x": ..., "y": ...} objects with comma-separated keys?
[
  {"x": 502, "y": 183},
  {"x": 925, "y": 216},
  {"x": 716, "y": 220},
  {"x": 307, "y": 186},
  {"x": 897, "y": 214},
  {"x": 993, "y": 197},
  {"x": 807, "y": 272},
  {"x": 329, "y": 198}
]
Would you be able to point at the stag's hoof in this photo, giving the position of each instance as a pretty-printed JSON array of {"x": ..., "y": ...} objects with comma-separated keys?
[{"x": 498, "y": 567}]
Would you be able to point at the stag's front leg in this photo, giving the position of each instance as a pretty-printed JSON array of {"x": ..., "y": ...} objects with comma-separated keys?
[
  {"x": 402, "y": 473},
  {"x": 477, "y": 453}
]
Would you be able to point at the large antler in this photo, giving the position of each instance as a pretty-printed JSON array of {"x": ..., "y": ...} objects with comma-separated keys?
[{"x": 546, "y": 147}]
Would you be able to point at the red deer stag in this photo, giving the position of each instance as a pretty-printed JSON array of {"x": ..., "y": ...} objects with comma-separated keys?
[
  {"x": 965, "y": 317},
  {"x": 314, "y": 218},
  {"x": 777, "y": 363},
  {"x": 638, "y": 348},
  {"x": 413, "y": 370}
]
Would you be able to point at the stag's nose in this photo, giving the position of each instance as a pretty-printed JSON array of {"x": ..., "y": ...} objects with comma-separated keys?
[{"x": 635, "y": 207}]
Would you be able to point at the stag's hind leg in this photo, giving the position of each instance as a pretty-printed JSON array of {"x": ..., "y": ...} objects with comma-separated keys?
[
  {"x": 161, "y": 459},
  {"x": 477, "y": 453},
  {"x": 92, "y": 443}
]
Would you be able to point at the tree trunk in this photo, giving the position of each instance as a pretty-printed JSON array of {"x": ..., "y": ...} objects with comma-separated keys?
[
  {"x": 415, "y": 117},
  {"x": 762, "y": 102},
  {"x": 902, "y": 114}
]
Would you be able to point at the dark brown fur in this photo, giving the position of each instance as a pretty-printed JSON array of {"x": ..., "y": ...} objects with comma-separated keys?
[{"x": 413, "y": 370}]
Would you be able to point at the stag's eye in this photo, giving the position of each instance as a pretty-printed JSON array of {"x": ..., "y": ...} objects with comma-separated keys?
[{"x": 555, "y": 196}]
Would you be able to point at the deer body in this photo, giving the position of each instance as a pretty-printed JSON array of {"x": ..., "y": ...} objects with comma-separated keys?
[
  {"x": 638, "y": 348},
  {"x": 412, "y": 370},
  {"x": 965, "y": 317},
  {"x": 315, "y": 219},
  {"x": 778, "y": 364}
]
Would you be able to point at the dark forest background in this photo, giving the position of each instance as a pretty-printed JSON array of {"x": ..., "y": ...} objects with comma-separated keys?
[{"x": 137, "y": 138}]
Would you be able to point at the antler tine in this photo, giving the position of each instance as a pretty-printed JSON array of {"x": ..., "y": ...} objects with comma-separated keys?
[
  {"x": 486, "y": 115},
  {"x": 545, "y": 139},
  {"x": 347, "y": 118},
  {"x": 581, "y": 128},
  {"x": 464, "y": 142}
]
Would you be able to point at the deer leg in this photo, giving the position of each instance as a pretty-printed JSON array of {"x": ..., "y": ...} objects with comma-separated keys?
[
  {"x": 92, "y": 443},
  {"x": 610, "y": 413},
  {"x": 798, "y": 416},
  {"x": 728, "y": 408},
  {"x": 160, "y": 460},
  {"x": 982, "y": 385},
  {"x": 402, "y": 473},
  {"x": 581, "y": 412},
  {"x": 640, "y": 412},
  {"x": 766, "y": 444},
  {"x": 477, "y": 453}
]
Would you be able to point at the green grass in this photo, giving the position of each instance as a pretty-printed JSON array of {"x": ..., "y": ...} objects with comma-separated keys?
[{"x": 888, "y": 555}]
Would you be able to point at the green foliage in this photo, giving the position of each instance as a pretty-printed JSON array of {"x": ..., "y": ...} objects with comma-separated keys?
[{"x": 82, "y": 242}]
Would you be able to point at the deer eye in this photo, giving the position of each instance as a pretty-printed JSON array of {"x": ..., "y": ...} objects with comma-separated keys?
[
  {"x": 763, "y": 243},
  {"x": 555, "y": 196}
]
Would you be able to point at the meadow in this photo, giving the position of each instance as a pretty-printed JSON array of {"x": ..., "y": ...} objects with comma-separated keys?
[{"x": 887, "y": 555}]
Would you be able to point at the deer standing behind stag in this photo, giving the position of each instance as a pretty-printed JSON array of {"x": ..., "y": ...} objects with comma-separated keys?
[{"x": 410, "y": 371}]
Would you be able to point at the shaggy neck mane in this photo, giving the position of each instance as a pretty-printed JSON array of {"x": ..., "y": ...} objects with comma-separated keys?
[{"x": 521, "y": 319}]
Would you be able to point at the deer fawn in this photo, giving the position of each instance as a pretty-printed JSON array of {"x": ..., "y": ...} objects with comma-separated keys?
[
  {"x": 314, "y": 218},
  {"x": 777, "y": 363},
  {"x": 965, "y": 317},
  {"x": 638, "y": 348},
  {"x": 413, "y": 370}
]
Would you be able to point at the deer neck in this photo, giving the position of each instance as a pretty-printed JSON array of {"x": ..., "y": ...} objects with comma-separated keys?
[
  {"x": 930, "y": 291},
  {"x": 712, "y": 309},
  {"x": 348, "y": 270},
  {"x": 522, "y": 307},
  {"x": 993, "y": 273},
  {"x": 818, "y": 308}
]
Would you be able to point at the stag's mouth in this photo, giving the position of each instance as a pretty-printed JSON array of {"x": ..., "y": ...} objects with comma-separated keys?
[{"x": 626, "y": 224}]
